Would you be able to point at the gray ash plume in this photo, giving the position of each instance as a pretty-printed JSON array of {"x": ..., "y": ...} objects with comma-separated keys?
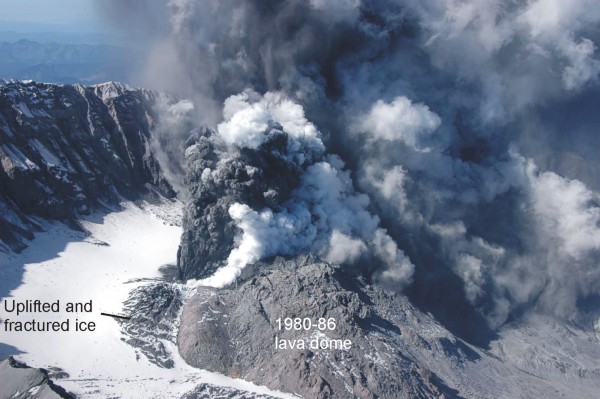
[{"x": 444, "y": 113}]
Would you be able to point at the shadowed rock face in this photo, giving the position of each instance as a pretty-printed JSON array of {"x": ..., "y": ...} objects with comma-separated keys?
[
  {"x": 233, "y": 330},
  {"x": 65, "y": 150},
  {"x": 21, "y": 382}
]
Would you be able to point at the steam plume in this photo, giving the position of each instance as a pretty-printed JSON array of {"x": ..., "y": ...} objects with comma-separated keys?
[{"x": 444, "y": 112}]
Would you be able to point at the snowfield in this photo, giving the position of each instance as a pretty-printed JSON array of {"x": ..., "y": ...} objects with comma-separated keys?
[{"x": 70, "y": 266}]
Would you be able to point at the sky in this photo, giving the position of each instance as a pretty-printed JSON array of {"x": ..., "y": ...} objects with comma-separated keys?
[{"x": 65, "y": 16}]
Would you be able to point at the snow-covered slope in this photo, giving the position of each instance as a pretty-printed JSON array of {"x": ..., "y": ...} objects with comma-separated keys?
[{"x": 122, "y": 251}]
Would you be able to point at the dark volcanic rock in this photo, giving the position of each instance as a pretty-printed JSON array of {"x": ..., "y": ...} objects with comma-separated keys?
[
  {"x": 233, "y": 331},
  {"x": 65, "y": 150},
  {"x": 21, "y": 382}
]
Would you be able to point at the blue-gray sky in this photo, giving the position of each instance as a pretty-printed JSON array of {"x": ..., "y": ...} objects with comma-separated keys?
[{"x": 50, "y": 16}]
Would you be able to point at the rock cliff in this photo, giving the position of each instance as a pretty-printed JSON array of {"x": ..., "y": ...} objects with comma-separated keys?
[{"x": 66, "y": 150}]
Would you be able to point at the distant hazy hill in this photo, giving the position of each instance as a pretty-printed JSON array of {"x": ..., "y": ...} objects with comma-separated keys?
[
  {"x": 65, "y": 63},
  {"x": 62, "y": 37}
]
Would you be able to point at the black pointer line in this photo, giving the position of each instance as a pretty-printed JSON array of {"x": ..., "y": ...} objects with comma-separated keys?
[{"x": 116, "y": 316}]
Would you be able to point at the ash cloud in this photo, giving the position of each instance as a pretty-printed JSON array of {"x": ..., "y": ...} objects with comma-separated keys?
[
  {"x": 322, "y": 215},
  {"x": 446, "y": 114}
]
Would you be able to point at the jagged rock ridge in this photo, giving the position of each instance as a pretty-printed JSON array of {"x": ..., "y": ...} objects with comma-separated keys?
[{"x": 65, "y": 150}]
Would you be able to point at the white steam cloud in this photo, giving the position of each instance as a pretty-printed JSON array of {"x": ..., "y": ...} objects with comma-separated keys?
[
  {"x": 399, "y": 120},
  {"x": 175, "y": 122},
  {"x": 247, "y": 116},
  {"x": 344, "y": 249},
  {"x": 323, "y": 215}
]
